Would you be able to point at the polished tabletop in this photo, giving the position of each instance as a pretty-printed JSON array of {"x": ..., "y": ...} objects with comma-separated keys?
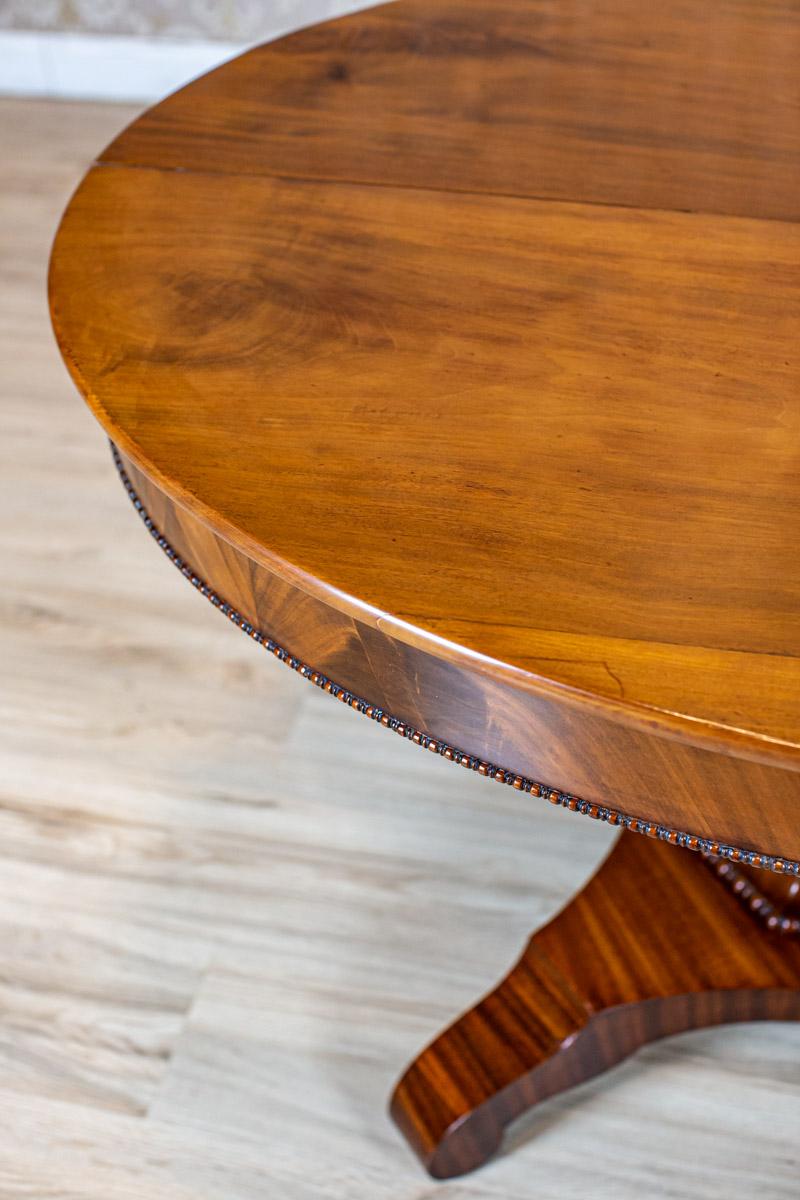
[{"x": 480, "y": 319}]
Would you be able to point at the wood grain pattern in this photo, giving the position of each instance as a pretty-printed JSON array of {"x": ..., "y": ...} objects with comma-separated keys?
[
  {"x": 619, "y": 967},
  {"x": 669, "y": 106},
  {"x": 748, "y": 803},
  {"x": 580, "y": 521},
  {"x": 548, "y": 442},
  {"x": 459, "y": 409},
  {"x": 191, "y": 923}
]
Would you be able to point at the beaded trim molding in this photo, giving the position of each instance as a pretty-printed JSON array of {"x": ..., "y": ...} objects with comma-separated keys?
[
  {"x": 752, "y": 897},
  {"x": 597, "y": 812}
]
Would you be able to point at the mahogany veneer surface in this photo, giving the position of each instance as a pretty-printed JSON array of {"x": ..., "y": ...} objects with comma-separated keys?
[
  {"x": 619, "y": 967},
  {"x": 469, "y": 331}
]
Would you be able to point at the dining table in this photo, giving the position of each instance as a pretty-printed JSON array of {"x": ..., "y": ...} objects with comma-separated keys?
[{"x": 449, "y": 349}]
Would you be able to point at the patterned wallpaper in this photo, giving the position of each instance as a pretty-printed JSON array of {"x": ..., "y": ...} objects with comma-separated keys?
[{"x": 226, "y": 20}]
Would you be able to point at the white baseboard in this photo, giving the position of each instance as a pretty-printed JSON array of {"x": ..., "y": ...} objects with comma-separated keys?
[
  {"x": 92, "y": 67},
  {"x": 88, "y": 66}
]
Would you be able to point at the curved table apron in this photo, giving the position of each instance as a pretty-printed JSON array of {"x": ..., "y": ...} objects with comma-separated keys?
[{"x": 450, "y": 351}]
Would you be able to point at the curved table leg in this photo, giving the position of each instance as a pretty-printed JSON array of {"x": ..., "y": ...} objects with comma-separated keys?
[{"x": 655, "y": 944}]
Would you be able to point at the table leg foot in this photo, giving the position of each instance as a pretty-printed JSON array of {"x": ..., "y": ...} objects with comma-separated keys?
[{"x": 655, "y": 944}]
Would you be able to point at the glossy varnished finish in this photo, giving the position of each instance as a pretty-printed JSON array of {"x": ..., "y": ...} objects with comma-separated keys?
[
  {"x": 620, "y": 966},
  {"x": 672, "y": 105},
  {"x": 559, "y": 740},
  {"x": 548, "y": 443},
  {"x": 562, "y": 436}
]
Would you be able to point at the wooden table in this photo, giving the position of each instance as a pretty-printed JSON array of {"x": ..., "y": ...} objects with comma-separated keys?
[{"x": 450, "y": 350}]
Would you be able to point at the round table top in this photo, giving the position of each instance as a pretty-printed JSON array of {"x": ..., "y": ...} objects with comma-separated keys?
[{"x": 481, "y": 318}]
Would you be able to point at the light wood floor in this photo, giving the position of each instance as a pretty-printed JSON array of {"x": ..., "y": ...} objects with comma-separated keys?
[{"x": 230, "y": 910}]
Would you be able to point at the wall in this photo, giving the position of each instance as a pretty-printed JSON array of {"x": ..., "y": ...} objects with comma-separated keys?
[
  {"x": 225, "y": 20},
  {"x": 118, "y": 50}
]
